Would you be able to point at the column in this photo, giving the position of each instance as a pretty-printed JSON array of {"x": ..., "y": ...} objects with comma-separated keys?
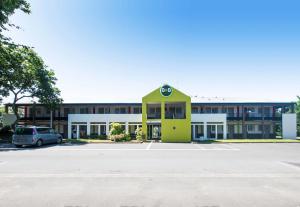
[
  {"x": 194, "y": 132},
  {"x": 224, "y": 130},
  {"x": 205, "y": 130},
  {"x": 216, "y": 132},
  {"x": 77, "y": 131},
  {"x": 88, "y": 128},
  {"x": 126, "y": 127},
  {"x": 107, "y": 128},
  {"x": 99, "y": 127},
  {"x": 69, "y": 130}
]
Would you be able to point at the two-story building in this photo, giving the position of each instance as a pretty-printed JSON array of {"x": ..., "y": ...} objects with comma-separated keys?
[{"x": 169, "y": 115}]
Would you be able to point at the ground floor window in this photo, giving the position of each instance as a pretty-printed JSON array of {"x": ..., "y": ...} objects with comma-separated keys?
[
  {"x": 132, "y": 127},
  {"x": 78, "y": 130}
]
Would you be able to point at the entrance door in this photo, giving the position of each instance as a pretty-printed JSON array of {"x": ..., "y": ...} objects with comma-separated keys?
[{"x": 153, "y": 131}]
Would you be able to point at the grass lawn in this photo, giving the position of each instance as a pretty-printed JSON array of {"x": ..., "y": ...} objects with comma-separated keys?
[
  {"x": 252, "y": 141},
  {"x": 204, "y": 142},
  {"x": 95, "y": 141}
]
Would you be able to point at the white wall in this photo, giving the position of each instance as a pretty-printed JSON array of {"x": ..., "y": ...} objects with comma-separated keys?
[
  {"x": 107, "y": 118},
  {"x": 209, "y": 118},
  {"x": 205, "y": 118},
  {"x": 289, "y": 126}
]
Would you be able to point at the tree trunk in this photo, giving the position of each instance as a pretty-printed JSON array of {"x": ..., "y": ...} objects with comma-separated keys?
[
  {"x": 51, "y": 119},
  {"x": 15, "y": 110}
]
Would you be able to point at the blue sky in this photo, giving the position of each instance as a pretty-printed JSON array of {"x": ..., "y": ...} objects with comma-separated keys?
[{"x": 118, "y": 51}]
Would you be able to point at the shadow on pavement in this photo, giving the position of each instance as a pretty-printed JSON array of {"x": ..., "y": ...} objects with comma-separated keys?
[{"x": 4, "y": 147}]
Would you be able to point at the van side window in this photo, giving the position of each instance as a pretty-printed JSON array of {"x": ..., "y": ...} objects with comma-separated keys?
[
  {"x": 43, "y": 130},
  {"x": 24, "y": 131}
]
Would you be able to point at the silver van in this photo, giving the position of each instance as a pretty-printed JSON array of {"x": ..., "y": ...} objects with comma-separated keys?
[{"x": 35, "y": 136}]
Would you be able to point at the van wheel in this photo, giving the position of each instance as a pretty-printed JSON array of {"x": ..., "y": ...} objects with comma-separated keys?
[
  {"x": 18, "y": 145},
  {"x": 39, "y": 143},
  {"x": 59, "y": 140}
]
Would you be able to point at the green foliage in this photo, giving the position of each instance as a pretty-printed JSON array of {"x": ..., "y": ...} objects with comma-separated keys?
[
  {"x": 116, "y": 129},
  {"x": 8, "y": 8},
  {"x": 117, "y": 133},
  {"x": 24, "y": 74},
  {"x": 140, "y": 134},
  {"x": 96, "y": 136}
]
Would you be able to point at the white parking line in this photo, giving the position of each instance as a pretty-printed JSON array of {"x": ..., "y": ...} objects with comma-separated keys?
[
  {"x": 149, "y": 175},
  {"x": 147, "y": 149},
  {"x": 149, "y": 145}
]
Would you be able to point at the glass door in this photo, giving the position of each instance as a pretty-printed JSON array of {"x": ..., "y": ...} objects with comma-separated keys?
[{"x": 154, "y": 131}]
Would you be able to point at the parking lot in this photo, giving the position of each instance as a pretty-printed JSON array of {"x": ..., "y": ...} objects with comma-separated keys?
[{"x": 151, "y": 174}]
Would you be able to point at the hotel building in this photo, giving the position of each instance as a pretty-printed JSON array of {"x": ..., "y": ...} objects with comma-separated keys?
[{"x": 168, "y": 115}]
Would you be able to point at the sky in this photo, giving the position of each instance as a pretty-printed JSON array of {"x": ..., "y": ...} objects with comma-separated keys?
[{"x": 118, "y": 51}]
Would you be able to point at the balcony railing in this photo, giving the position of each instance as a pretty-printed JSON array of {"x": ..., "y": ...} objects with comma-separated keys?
[
  {"x": 170, "y": 115},
  {"x": 30, "y": 118},
  {"x": 154, "y": 116},
  {"x": 253, "y": 116}
]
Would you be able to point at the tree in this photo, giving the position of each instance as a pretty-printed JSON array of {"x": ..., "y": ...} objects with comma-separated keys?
[
  {"x": 22, "y": 72},
  {"x": 7, "y": 8},
  {"x": 298, "y": 115},
  {"x": 24, "y": 75}
]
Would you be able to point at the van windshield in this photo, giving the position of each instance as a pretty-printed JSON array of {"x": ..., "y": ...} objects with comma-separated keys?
[{"x": 24, "y": 131}]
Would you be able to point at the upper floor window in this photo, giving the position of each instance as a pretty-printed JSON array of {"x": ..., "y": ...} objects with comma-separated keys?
[
  {"x": 84, "y": 110},
  {"x": 175, "y": 110},
  {"x": 208, "y": 110},
  {"x": 195, "y": 110},
  {"x": 153, "y": 111},
  {"x": 101, "y": 110},
  {"x": 214, "y": 110},
  {"x": 137, "y": 110},
  {"x": 121, "y": 110},
  {"x": 68, "y": 111}
]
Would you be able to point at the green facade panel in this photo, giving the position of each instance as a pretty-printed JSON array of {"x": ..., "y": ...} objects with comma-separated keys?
[{"x": 172, "y": 130}]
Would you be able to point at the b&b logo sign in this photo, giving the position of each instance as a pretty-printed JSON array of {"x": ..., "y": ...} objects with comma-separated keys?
[{"x": 166, "y": 90}]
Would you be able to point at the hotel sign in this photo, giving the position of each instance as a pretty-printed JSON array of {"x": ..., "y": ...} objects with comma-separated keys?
[{"x": 166, "y": 90}]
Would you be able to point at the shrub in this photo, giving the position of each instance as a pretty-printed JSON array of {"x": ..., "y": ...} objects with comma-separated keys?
[
  {"x": 127, "y": 137},
  {"x": 117, "y": 133},
  {"x": 116, "y": 129},
  {"x": 140, "y": 134},
  {"x": 120, "y": 137}
]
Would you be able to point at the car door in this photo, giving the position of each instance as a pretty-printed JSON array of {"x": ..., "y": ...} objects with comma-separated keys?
[{"x": 52, "y": 136}]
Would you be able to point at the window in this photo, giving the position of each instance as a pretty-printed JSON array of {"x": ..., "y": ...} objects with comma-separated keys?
[
  {"x": 24, "y": 131},
  {"x": 101, "y": 110},
  {"x": 38, "y": 111},
  {"x": 267, "y": 111},
  {"x": 224, "y": 110},
  {"x": 250, "y": 127},
  {"x": 208, "y": 110},
  {"x": 175, "y": 110},
  {"x": 68, "y": 111},
  {"x": 84, "y": 110},
  {"x": 153, "y": 111},
  {"x": 195, "y": 110},
  {"x": 214, "y": 110},
  {"x": 94, "y": 130},
  {"x": 230, "y": 111},
  {"x": 137, "y": 110},
  {"x": 43, "y": 130},
  {"x": 121, "y": 110}
]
